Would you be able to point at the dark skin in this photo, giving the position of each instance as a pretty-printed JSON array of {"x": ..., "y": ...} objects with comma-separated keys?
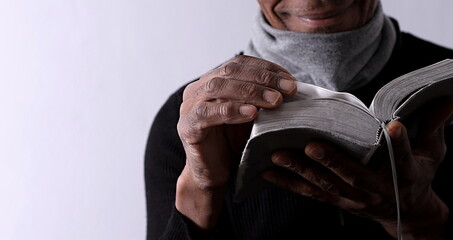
[
  {"x": 215, "y": 121},
  {"x": 214, "y": 124},
  {"x": 318, "y": 16}
]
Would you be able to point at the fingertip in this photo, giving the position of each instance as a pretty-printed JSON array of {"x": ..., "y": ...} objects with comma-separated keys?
[
  {"x": 288, "y": 86},
  {"x": 395, "y": 129},
  {"x": 273, "y": 97},
  {"x": 281, "y": 158},
  {"x": 247, "y": 110},
  {"x": 317, "y": 153},
  {"x": 311, "y": 146}
]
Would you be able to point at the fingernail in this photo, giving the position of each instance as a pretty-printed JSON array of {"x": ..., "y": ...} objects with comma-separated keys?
[
  {"x": 287, "y": 85},
  {"x": 286, "y": 75},
  {"x": 271, "y": 96},
  {"x": 317, "y": 153},
  {"x": 247, "y": 110}
]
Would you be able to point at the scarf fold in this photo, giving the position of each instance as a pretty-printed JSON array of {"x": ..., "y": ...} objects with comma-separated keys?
[{"x": 341, "y": 61}]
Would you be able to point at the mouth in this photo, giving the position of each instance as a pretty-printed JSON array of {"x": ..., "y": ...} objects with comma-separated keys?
[
  {"x": 324, "y": 19},
  {"x": 320, "y": 16}
]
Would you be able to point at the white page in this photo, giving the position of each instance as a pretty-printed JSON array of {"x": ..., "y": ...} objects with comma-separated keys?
[{"x": 310, "y": 91}]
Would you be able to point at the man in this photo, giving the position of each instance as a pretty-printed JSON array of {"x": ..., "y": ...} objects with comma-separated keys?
[{"x": 197, "y": 137}]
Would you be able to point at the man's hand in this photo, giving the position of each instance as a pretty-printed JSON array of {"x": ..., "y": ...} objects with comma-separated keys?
[
  {"x": 214, "y": 125},
  {"x": 335, "y": 178}
]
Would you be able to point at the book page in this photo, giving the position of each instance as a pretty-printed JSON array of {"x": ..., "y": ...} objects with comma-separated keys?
[
  {"x": 409, "y": 91},
  {"x": 293, "y": 125},
  {"x": 296, "y": 123},
  {"x": 309, "y": 91}
]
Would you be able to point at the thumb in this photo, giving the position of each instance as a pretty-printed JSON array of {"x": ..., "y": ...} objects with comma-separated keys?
[{"x": 402, "y": 150}]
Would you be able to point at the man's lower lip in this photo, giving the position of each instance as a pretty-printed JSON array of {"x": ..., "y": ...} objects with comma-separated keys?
[{"x": 319, "y": 21}]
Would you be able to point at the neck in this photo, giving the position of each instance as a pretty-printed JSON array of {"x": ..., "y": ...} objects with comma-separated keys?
[{"x": 337, "y": 61}]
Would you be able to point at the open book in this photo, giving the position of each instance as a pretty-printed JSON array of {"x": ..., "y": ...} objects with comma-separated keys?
[{"x": 340, "y": 118}]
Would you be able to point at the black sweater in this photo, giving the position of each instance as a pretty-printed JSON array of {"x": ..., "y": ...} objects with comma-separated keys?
[{"x": 275, "y": 213}]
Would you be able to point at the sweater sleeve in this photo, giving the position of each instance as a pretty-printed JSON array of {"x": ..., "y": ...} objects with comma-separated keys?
[{"x": 164, "y": 161}]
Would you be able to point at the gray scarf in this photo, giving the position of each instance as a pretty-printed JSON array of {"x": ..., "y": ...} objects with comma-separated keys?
[{"x": 341, "y": 61}]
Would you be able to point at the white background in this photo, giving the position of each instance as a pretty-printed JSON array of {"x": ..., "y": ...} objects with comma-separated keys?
[{"x": 81, "y": 81}]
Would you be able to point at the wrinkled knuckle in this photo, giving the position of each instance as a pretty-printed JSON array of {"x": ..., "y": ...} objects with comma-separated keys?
[
  {"x": 187, "y": 131},
  {"x": 265, "y": 77},
  {"x": 189, "y": 90},
  {"x": 247, "y": 90},
  {"x": 226, "y": 110},
  {"x": 180, "y": 127},
  {"x": 267, "y": 65},
  {"x": 292, "y": 166},
  {"x": 215, "y": 85},
  {"x": 229, "y": 69},
  {"x": 202, "y": 111},
  {"x": 223, "y": 110},
  {"x": 330, "y": 163},
  {"x": 304, "y": 173},
  {"x": 182, "y": 122}
]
